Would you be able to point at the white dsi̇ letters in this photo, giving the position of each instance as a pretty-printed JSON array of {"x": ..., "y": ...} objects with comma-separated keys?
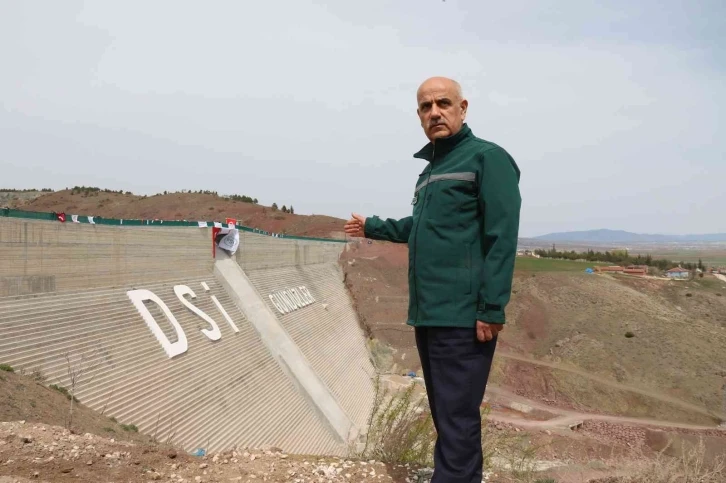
[
  {"x": 172, "y": 349},
  {"x": 180, "y": 291}
]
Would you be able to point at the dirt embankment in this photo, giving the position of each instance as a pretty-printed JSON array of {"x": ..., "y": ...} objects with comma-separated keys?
[{"x": 36, "y": 444}]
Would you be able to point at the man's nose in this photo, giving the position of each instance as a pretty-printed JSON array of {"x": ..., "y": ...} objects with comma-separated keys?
[{"x": 435, "y": 112}]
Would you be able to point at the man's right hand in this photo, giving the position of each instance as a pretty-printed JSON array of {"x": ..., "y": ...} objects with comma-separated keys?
[{"x": 355, "y": 227}]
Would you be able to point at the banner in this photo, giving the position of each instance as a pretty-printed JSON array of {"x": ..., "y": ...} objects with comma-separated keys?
[{"x": 228, "y": 240}]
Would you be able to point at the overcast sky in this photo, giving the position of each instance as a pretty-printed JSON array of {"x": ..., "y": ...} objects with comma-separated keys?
[{"x": 613, "y": 110}]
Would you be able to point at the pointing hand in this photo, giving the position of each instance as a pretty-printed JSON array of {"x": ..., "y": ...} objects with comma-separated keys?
[{"x": 355, "y": 227}]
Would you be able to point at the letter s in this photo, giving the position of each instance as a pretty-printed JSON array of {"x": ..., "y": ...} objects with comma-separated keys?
[{"x": 180, "y": 291}]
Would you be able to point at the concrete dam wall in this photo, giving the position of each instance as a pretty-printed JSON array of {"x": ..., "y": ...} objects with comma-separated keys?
[{"x": 262, "y": 348}]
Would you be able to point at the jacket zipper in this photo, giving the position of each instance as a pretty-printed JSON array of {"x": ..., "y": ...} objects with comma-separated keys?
[{"x": 423, "y": 200}]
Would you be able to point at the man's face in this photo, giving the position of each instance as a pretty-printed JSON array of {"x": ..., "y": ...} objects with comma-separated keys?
[{"x": 440, "y": 107}]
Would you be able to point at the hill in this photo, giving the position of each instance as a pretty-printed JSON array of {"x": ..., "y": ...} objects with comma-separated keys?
[
  {"x": 565, "y": 341},
  {"x": 177, "y": 206},
  {"x": 620, "y": 236}
]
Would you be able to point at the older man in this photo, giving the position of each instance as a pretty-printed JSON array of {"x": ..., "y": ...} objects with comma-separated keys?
[{"x": 462, "y": 239}]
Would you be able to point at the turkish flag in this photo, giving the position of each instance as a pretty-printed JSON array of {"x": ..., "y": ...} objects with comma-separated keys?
[
  {"x": 61, "y": 217},
  {"x": 215, "y": 232}
]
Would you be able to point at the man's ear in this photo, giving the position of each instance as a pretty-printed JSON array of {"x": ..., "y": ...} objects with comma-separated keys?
[{"x": 464, "y": 107}]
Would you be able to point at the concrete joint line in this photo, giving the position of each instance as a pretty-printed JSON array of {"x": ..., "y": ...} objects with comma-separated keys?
[{"x": 283, "y": 348}]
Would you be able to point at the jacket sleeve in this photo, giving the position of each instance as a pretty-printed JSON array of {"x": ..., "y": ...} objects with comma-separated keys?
[
  {"x": 396, "y": 231},
  {"x": 500, "y": 203}
]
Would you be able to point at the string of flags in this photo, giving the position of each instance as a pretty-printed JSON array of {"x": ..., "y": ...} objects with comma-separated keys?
[{"x": 230, "y": 222}]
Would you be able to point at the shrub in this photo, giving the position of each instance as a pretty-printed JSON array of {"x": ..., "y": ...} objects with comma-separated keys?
[
  {"x": 400, "y": 428},
  {"x": 130, "y": 427},
  {"x": 63, "y": 391},
  {"x": 6, "y": 368},
  {"x": 690, "y": 466}
]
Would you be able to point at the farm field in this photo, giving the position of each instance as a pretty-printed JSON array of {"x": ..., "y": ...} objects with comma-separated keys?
[{"x": 528, "y": 264}]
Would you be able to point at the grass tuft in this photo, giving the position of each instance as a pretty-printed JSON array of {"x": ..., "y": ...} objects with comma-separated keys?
[{"x": 63, "y": 391}]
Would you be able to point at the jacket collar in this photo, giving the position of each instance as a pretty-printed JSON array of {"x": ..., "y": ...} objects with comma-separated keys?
[{"x": 444, "y": 145}]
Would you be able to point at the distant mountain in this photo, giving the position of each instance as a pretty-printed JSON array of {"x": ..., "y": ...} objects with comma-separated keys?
[{"x": 620, "y": 236}]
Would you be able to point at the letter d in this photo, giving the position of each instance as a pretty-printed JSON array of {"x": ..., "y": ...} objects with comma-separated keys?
[{"x": 172, "y": 349}]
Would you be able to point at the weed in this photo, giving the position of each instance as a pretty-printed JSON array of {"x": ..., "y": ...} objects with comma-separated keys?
[
  {"x": 37, "y": 375},
  {"x": 400, "y": 428},
  {"x": 109, "y": 430},
  {"x": 508, "y": 451},
  {"x": 130, "y": 427},
  {"x": 6, "y": 368},
  {"x": 546, "y": 480},
  {"x": 689, "y": 467},
  {"x": 401, "y": 431},
  {"x": 113, "y": 420},
  {"x": 61, "y": 390}
]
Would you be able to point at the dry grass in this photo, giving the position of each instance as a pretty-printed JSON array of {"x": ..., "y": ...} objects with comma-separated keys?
[
  {"x": 401, "y": 431},
  {"x": 691, "y": 466},
  {"x": 400, "y": 428}
]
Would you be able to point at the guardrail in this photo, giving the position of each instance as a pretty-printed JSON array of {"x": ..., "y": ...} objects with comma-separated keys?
[{"x": 97, "y": 220}]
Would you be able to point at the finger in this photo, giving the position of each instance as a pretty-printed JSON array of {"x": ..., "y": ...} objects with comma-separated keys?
[
  {"x": 480, "y": 332},
  {"x": 483, "y": 333}
]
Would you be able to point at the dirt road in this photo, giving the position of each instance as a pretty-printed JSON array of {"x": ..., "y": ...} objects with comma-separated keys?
[
  {"x": 601, "y": 380},
  {"x": 565, "y": 417}
]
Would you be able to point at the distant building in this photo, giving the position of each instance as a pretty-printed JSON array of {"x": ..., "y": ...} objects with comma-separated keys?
[
  {"x": 612, "y": 268},
  {"x": 639, "y": 270},
  {"x": 678, "y": 273},
  {"x": 527, "y": 253}
]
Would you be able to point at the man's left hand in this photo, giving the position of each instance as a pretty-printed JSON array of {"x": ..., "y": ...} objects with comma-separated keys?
[{"x": 486, "y": 332}]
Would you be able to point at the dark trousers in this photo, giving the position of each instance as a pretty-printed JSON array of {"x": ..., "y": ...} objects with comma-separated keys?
[{"x": 456, "y": 368}]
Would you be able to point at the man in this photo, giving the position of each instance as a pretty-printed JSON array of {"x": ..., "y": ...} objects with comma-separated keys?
[{"x": 462, "y": 239}]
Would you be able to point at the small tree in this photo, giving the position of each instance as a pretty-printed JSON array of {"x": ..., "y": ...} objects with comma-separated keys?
[
  {"x": 274, "y": 207},
  {"x": 76, "y": 376},
  {"x": 292, "y": 210},
  {"x": 284, "y": 209}
]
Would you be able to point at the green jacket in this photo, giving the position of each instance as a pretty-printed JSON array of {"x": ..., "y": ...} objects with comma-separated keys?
[{"x": 462, "y": 236}]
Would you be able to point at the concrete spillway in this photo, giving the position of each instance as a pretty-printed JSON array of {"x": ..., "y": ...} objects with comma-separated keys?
[{"x": 263, "y": 348}]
